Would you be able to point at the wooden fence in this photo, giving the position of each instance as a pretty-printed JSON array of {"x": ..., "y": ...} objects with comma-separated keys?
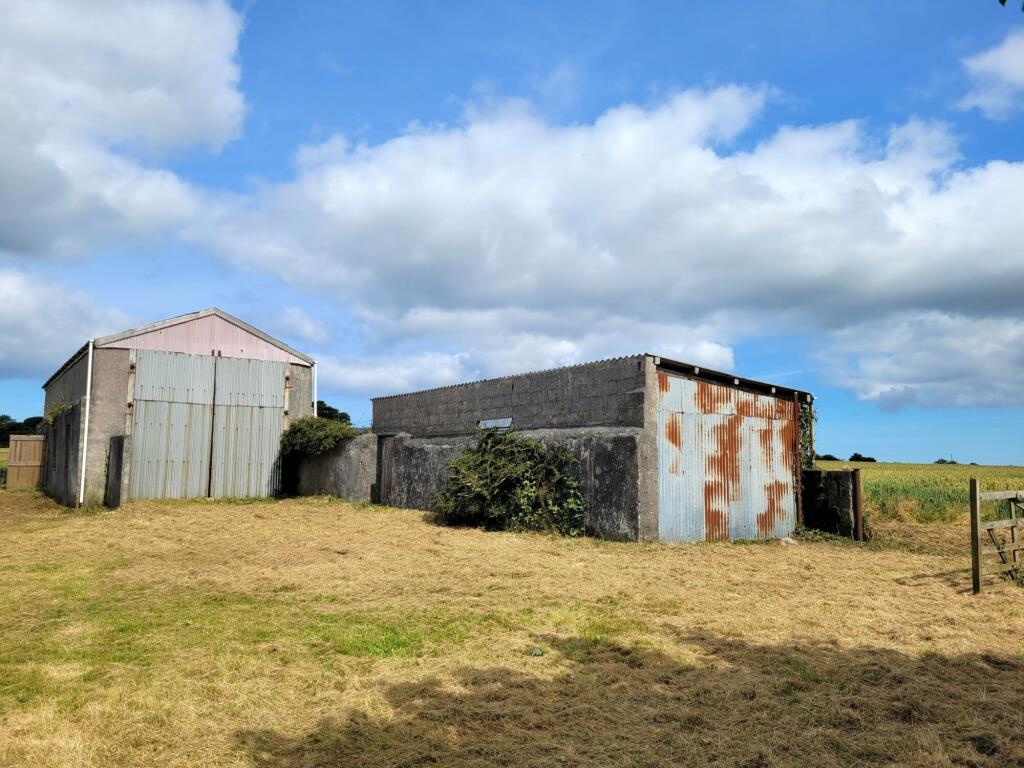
[
  {"x": 25, "y": 462},
  {"x": 996, "y": 537}
]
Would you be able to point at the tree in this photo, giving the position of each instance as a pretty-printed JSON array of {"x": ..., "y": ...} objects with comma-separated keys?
[
  {"x": 325, "y": 411},
  {"x": 826, "y": 457},
  {"x": 860, "y": 457},
  {"x": 1003, "y": 3},
  {"x": 9, "y": 426}
]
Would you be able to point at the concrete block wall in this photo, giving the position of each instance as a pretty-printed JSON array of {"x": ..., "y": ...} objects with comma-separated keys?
[
  {"x": 609, "y": 393},
  {"x": 348, "y": 472}
]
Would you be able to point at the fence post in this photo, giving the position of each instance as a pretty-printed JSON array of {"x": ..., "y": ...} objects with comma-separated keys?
[
  {"x": 858, "y": 507},
  {"x": 975, "y": 535}
]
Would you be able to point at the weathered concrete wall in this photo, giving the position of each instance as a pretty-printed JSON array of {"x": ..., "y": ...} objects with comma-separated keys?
[
  {"x": 348, "y": 472},
  {"x": 648, "y": 500},
  {"x": 107, "y": 414},
  {"x": 63, "y": 449},
  {"x": 608, "y": 469},
  {"x": 66, "y": 436},
  {"x": 69, "y": 388},
  {"x": 828, "y": 501},
  {"x": 604, "y": 394},
  {"x": 300, "y": 400}
]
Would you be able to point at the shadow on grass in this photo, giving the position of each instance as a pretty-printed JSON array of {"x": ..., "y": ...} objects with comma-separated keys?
[{"x": 741, "y": 705}]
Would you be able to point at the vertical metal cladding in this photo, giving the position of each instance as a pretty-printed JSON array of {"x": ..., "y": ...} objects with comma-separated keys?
[
  {"x": 726, "y": 462},
  {"x": 191, "y": 410},
  {"x": 171, "y": 421},
  {"x": 247, "y": 424}
]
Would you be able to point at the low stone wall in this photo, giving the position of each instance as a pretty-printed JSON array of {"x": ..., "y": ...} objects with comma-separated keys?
[
  {"x": 349, "y": 472},
  {"x": 608, "y": 472},
  {"x": 418, "y": 467}
]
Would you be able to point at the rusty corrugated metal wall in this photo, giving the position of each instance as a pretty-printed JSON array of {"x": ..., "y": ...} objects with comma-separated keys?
[{"x": 726, "y": 462}]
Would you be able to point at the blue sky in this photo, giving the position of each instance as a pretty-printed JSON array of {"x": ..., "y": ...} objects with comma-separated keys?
[{"x": 820, "y": 194}]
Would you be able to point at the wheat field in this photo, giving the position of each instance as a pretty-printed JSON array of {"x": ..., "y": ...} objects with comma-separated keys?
[{"x": 926, "y": 493}]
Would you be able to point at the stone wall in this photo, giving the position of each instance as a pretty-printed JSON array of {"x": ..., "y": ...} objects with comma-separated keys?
[{"x": 609, "y": 393}]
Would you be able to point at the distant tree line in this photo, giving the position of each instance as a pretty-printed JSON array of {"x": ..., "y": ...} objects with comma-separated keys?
[
  {"x": 853, "y": 457},
  {"x": 9, "y": 426}
]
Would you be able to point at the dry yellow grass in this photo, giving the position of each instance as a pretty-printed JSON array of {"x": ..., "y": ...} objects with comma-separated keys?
[{"x": 314, "y": 633}]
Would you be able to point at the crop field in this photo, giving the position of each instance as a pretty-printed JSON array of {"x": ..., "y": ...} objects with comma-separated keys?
[
  {"x": 926, "y": 493},
  {"x": 312, "y": 632}
]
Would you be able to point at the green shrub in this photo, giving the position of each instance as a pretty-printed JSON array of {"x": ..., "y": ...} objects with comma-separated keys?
[
  {"x": 311, "y": 436},
  {"x": 510, "y": 482}
]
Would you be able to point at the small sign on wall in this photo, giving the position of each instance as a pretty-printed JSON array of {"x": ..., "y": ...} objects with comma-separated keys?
[{"x": 495, "y": 423}]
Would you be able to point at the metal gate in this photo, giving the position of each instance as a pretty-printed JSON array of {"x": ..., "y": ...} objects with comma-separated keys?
[
  {"x": 205, "y": 426},
  {"x": 726, "y": 462}
]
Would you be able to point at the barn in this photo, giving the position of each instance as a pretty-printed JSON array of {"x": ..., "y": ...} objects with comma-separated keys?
[
  {"x": 192, "y": 406},
  {"x": 667, "y": 450}
]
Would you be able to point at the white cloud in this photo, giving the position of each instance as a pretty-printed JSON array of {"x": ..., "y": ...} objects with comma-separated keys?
[
  {"x": 519, "y": 243},
  {"x": 998, "y": 78},
  {"x": 44, "y": 324},
  {"x": 86, "y": 89},
  {"x": 932, "y": 359},
  {"x": 296, "y": 322}
]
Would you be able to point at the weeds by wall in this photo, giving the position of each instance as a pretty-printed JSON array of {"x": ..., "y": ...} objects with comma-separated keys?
[{"x": 510, "y": 482}]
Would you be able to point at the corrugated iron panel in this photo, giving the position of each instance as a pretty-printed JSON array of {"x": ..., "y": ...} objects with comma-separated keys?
[
  {"x": 170, "y": 456},
  {"x": 173, "y": 378},
  {"x": 247, "y": 451},
  {"x": 255, "y": 383},
  {"x": 726, "y": 462},
  {"x": 206, "y": 335}
]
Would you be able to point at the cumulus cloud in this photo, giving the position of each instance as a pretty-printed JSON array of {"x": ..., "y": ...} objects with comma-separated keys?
[
  {"x": 509, "y": 242},
  {"x": 86, "y": 89},
  {"x": 519, "y": 242},
  {"x": 998, "y": 78},
  {"x": 43, "y": 324},
  {"x": 931, "y": 359},
  {"x": 297, "y": 322}
]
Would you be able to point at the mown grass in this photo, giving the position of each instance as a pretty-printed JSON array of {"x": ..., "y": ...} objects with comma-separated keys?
[
  {"x": 927, "y": 493},
  {"x": 282, "y": 634}
]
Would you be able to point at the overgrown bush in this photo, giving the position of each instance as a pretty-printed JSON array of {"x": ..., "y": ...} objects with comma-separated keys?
[
  {"x": 311, "y": 436},
  {"x": 510, "y": 482}
]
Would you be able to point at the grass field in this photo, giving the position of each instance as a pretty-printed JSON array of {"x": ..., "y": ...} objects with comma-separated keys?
[
  {"x": 316, "y": 633},
  {"x": 926, "y": 492}
]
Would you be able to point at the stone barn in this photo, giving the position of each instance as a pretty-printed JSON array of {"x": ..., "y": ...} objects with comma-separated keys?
[
  {"x": 193, "y": 406},
  {"x": 668, "y": 451}
]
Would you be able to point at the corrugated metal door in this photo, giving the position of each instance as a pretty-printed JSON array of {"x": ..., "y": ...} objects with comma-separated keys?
[
  {"x": 247, "y": 424},
  {"x": 725, "y": 462},
  {"x": 171, "y": 421},
  {"x": 205, "y": 426}
]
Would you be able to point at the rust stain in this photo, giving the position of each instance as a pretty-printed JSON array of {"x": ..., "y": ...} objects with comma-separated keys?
[
  {"x": 774, "y": 511},
  {"x": 765, "y": 436},
  {"x": 663, "y": 383},
  {"x": 711, "y": 397},
  {"x": 789, "y": 442},
  {"x": 674, "y": 430},
  {"x": 673, "y": 467},
  {"x": 722, "y": 468}
]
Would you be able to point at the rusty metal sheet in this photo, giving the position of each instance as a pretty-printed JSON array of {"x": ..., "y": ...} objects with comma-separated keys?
[{"x": 726, "y": 463}]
